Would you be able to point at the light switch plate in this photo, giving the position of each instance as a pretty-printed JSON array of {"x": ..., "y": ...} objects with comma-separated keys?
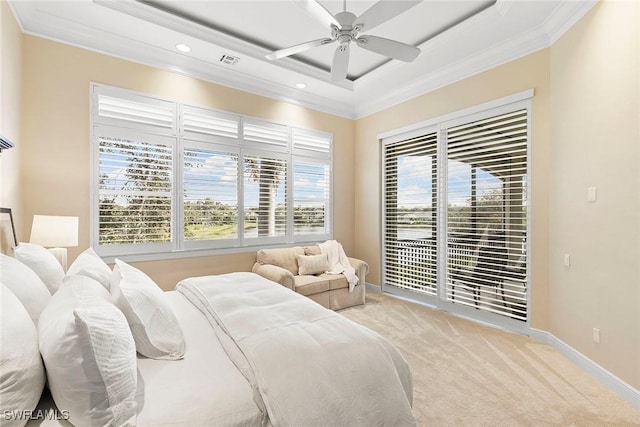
[{"x": 592, "y": 194}]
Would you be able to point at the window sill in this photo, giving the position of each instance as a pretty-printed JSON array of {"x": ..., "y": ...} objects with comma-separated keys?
[{"x": 195, "y": 253}]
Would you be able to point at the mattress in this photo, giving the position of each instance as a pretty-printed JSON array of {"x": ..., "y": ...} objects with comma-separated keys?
[{"x": 203, "y": 389}]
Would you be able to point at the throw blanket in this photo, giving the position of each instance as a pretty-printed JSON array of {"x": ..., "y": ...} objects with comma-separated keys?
[
  {"x": 338, "y": 262},
  {"x": 309, "y": 366}
]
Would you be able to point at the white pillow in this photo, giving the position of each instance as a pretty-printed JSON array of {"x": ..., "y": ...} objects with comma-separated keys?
[
  {"x": 25, "y": 284},
  {"x": 89, "y": 355},
  {"x": 43, "y": 262},
  {"x": 89, "y": 264},
  {"x": 312, "y": 264},
  {"x": 22, "y": 375},
  {"x": 153, "y": 323}
]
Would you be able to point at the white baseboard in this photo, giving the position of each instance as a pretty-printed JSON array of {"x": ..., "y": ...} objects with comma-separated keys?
[
  {"x": 601, "y": 374},
  {"x": 373, "y": 288},
  {"x": 614, "y": 383}
]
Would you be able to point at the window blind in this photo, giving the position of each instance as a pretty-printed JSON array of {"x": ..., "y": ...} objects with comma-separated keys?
[
  {"x": 135, "y": 191},
  {"x": 200, "y": 123},
  {"x": 305, "y": 142},
  {"x": 311, "y": 198},
  {"x": 486, "y": 213},
  {"x": 210, "y": 194},
  {"x": 455, "y": 214},
  {"x": 410, "y": 204},
  {"x": 265, "y": 195},
  {"x": 177, "y": 177},
  {"x": 268, "y": 135},
  {"x": 135, "y": 111}
]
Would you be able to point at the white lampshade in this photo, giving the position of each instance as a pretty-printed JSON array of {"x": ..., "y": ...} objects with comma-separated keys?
[{"x": 54, "y": 231}]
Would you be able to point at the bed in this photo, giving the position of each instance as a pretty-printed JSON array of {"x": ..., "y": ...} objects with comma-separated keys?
[{"x": 256, "y": 353}]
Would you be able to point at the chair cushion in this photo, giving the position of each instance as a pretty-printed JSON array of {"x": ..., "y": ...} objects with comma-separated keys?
[
  {"x": 309, "y": 285},
  {"x": 284, "y": 258},
  {"x": 336, "y": 281}
]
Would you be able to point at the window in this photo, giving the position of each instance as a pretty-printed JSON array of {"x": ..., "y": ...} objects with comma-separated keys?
[
  {"x": 171, "y": 177},
  {"x": 455, "y": 212}
]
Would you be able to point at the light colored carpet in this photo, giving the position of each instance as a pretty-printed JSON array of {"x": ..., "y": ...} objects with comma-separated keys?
[{"x": 467, "y": 374}]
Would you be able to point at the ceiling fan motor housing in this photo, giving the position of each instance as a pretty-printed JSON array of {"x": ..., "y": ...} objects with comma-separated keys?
[{"x": 346, "y": 33}]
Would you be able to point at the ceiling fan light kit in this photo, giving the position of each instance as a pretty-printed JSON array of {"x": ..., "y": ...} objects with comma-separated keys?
[{"x": 345, "y": 28}]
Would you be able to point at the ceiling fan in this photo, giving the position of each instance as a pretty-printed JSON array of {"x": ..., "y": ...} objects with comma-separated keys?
[{"x": 346, "y": 28}]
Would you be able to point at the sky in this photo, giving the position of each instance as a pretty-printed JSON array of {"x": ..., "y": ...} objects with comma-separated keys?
[
  {"x": 415, "y": 182},
  {"x": 213, "y": 174}
]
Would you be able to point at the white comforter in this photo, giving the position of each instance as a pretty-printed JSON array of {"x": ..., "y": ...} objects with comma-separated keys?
[{"x": 308, "y": 365}]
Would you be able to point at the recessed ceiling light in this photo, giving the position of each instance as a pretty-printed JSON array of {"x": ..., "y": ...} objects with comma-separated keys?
[
  {"x": 301, "y": 85},
  {"x": 183, "y": 47}
]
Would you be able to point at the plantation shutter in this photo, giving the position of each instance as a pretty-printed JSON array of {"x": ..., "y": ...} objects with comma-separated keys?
[
  {"x": 486, "y": 214},
  {"x": 135, "y": 111},
  {"x": 265, "y": 135},
  {"x": 135, "y": 189},
  {"x": 203, "y": 124},
  {"x": 172, "y": 177},
  {"x": 311, "y": 143},
  {"x": 410, "y": 205},
  {"x": 311, "y": 183},
  {"x": 310, "y": 198},
  {"x": 210, "y": 179},
  {"x": 265, "y": 197}
]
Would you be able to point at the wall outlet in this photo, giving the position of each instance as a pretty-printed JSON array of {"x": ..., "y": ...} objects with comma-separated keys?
[{"x": 596, "y": 335}]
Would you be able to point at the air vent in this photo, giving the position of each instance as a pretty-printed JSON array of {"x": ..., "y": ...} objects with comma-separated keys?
[
  {"x": 5, "y": 143},
  {"x": 229, "y": 60}
]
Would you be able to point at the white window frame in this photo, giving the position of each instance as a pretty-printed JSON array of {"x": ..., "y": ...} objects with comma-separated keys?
[{"x": 179, "y": 138}]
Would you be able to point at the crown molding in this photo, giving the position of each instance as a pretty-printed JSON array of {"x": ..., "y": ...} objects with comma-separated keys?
[
  {"x": 565, "y": 16},
  {"x": 75, "y": 34},
  {"x": 495, "y": 56},
  {"x": 389, "y": 85},
  {"x": 184, "y": 26},
  {"x": 540, "y": 37}
]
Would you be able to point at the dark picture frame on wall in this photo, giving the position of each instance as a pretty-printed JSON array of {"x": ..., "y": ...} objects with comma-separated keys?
[{"x": 8, "y": 239}]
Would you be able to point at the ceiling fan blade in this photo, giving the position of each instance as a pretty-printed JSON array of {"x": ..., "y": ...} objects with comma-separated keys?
[
  {"x": 321, "y": 14},
  {"x": 383, "y": 11},
  {"x": 340, "y": 63},
  {"x": 390, "y": 48},
  {"x": 288, "y": 51}
]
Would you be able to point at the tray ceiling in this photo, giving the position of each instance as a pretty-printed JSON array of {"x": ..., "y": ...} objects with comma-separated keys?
[{"x": 457, "y": 39}]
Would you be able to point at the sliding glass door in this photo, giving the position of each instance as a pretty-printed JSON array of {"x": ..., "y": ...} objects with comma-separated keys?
[
  {"x": 455, "y": 214},
  {"x": 410, "y": 235},
  {"x": 486, "y": 214}
]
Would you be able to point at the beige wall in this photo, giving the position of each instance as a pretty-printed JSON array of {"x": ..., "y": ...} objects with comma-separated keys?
[
  {"x": 531, "y": 72},
  {"x": 585, "y": 132},
  {"x": 595, "y": 132},
  {"x": 55, "y": 134},
  {"x": 10, "y": 99}
]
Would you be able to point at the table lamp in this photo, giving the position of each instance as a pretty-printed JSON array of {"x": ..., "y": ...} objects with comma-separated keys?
[{"x": 56, "y": 233}]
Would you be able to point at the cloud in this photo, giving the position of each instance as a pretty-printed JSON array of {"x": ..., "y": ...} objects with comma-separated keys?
[
  {"x": 414, "y": 196},
  {"x": 216, "y": 166}
]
